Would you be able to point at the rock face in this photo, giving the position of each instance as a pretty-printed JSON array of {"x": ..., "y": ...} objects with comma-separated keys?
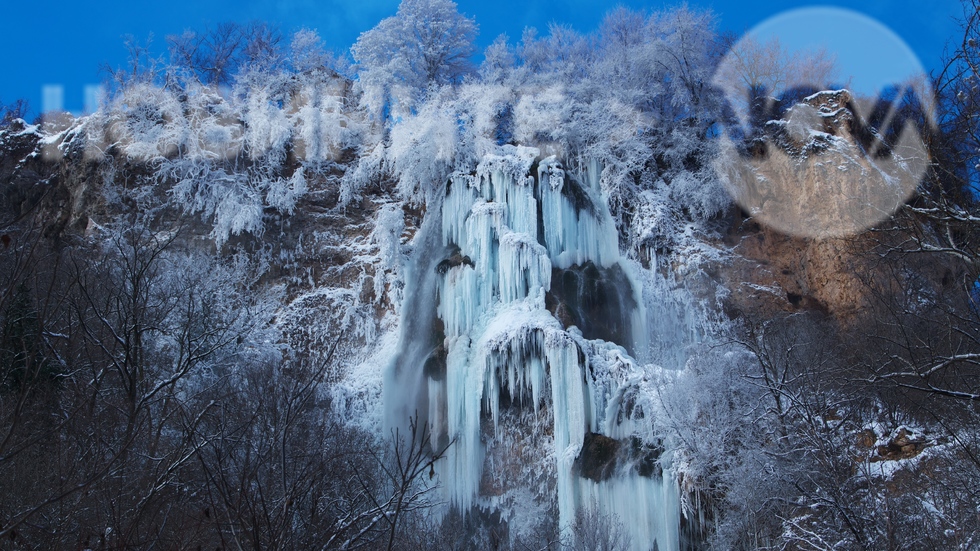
[
  {"x": 599, "y": 301},
  {"x": 771, "y": 272},
  {"x": 597, "y": 460},
  {"x": 808, "y": 187},
  {"x": 602, "y": 457},
  {"x": 455, "y": 259},
  {"x": 901, "y": 446},
  {"x": 820, "y": 172}
]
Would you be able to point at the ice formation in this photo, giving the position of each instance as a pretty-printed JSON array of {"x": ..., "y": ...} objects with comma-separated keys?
[{"x": 506, "y": 230}]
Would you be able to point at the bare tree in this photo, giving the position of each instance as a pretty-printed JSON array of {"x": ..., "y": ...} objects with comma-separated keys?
[
  {"x": 754, "y": 74},
  {"x": 594, "y": 531},
  {"x": 402, "y": 486},
  {"x": 10, "y": 112},
  {"x": 102, "y": 365},
  {"x": 217, "y": 54}
]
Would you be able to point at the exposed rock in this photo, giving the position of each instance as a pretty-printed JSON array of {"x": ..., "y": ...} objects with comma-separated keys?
[
  {"x": 902, "y": 446},
  {"x": 646, "y": 457},
  {"x": 597, "y": 460},
  {"x": 601, "y": 456},
  {"x": 435, "y": 365},
  {"x": 772, "y": 272},
  {"x": 577, "y": 195},
  {"x": 456, "y": 258},
  {"x": 865, "y": 439},
  {"x": 560, "y": 311},
  {"x": 599, "y": 301},
  {"x": 820, "y": 172}
]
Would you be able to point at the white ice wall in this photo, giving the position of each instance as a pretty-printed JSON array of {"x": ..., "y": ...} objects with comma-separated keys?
[{"x": 500, "y": 338}]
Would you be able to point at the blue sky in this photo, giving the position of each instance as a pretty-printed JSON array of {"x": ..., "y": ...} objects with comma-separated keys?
[{"x": 66, "y": 43}]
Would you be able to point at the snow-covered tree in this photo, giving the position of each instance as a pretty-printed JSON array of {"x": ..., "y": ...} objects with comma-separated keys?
[
  {"x": 498, "y": 61},
  {"x": 307, "y": 52},
  {"x": 426, "y": 43},
  {"x": 218, "y": 54}
]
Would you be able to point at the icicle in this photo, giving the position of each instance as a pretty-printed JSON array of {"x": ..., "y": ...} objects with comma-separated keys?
[
  {"x": 553, "y": 206},
  {"x": 571, "y": 417},
  {"x": 456, "y": 211},
  {"x": 458, "y": 300},
  {"x": 573, "y": 236},
  {"x": 464, "y": 460},
  {"x": 524, "y": 267},
  {"x": 647, "y": 508}
]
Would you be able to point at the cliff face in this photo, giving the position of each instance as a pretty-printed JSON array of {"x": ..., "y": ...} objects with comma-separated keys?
[
  {"x": 823, "y": 169},
  {"x": 772, "y": 272},
  {"x": 816, "y": 190}
]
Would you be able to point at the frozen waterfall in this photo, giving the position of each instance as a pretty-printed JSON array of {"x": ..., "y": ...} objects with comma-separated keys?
[{"x": 490, "y": 335}]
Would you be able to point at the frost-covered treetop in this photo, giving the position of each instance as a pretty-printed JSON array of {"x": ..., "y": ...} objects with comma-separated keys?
[
  {"x": 631, "y": 98},
  {"x": 428, "y": 42}
]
